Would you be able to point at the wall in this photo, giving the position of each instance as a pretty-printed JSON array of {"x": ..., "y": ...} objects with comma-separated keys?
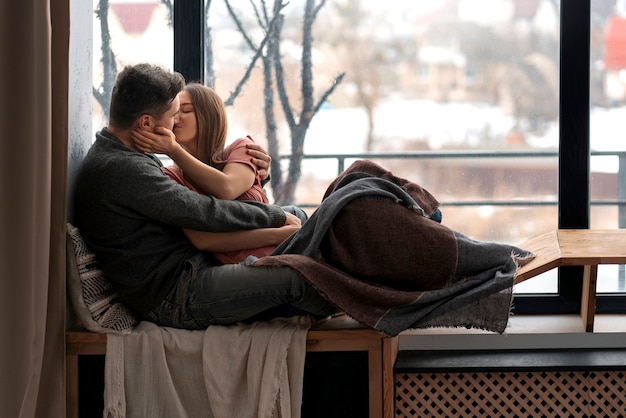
[{"x": 80, "y": 90}]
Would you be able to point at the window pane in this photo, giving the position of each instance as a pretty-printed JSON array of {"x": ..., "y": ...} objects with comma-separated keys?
[
  {"x": 608, "y": 109},
  {"x": 140, "y": 31},
  {"x": 454, "y": 78}
]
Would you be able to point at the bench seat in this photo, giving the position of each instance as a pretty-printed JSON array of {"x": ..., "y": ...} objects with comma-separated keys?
[
  {"x": 340, "y": 333},
  {"x": 563, "y": 247}
]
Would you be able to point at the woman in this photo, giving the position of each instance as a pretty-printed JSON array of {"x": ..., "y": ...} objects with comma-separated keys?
[{"x": 204, "y": 164}]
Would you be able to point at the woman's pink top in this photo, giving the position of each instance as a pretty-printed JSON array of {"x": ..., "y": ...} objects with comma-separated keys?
[{"x": 237, "y": 152}]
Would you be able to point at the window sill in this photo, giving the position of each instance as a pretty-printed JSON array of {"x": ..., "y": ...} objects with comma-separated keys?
[{"x": 523, "y": 332}]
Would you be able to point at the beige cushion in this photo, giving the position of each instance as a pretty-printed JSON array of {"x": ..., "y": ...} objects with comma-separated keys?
[{"x": 94, "y": 300}]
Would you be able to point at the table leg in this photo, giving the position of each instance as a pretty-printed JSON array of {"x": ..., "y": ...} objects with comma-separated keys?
[{"x": 588, "y": 302}]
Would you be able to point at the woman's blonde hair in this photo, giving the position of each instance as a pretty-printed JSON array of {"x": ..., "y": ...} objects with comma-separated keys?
[{"x": 211, "y": 122}]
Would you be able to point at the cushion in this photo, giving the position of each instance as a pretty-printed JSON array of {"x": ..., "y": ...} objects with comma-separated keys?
[{"x": 93, "y": 298}]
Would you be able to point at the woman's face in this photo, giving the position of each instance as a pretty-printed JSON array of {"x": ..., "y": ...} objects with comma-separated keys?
[{"x": 186, "y": 129}]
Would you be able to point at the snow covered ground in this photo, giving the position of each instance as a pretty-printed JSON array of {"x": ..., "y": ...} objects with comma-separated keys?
[{"x": 462, "y": 125}]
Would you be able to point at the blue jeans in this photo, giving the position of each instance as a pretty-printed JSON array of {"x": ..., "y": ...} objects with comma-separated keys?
[
  {"x": 295, "y": 210},
  {"x": 205, "y": 295}
]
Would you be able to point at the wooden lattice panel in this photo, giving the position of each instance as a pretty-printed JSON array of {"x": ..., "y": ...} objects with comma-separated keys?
[{"x": 511, "y": 394}]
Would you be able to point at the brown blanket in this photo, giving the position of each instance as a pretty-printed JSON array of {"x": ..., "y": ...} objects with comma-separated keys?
[{"x": 373, "y": 251}]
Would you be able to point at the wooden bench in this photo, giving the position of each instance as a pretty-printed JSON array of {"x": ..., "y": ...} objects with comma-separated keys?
[
  {"x": 337, "y": 334},
  {"x": 576, "y": 247}
]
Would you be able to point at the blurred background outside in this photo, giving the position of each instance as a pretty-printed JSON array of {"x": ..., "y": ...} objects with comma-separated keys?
[{"x": 467, "y": 81}]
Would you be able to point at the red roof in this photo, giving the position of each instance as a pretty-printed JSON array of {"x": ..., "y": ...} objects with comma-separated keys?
[
  {"x": 615, "y": 44},
  {"x": 525, "y": 9},
  {"x": 134, "y": 17}
]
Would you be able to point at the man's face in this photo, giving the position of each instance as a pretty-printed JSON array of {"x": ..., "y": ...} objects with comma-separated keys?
[
  {"x": 186, "y": 128},
  {"x": 170, "y": 117}
]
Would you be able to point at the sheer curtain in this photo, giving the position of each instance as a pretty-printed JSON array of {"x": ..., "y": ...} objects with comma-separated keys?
[{"x": 34, "y": 36}]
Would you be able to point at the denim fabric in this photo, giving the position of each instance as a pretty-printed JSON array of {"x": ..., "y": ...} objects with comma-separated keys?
[
  {"x": 437, "y": 216},
  {"x": 295, "y": 210},
  {"x": 219, "y": 295}
]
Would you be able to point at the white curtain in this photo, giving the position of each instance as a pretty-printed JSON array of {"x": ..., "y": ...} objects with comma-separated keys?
[{"x": 34, "y": 38}]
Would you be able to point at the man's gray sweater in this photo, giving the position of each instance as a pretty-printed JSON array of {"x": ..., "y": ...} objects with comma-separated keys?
[{"x": 131, "y": 215}]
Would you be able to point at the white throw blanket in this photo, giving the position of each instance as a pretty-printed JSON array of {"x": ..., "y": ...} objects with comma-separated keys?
[{"x": 243, "y": 370}]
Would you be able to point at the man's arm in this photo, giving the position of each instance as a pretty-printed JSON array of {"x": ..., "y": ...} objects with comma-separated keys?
[
  {"x": 239, "y": 240},
  {"x": 262, "y": 160},
  {"x": 155, "y": 196}
]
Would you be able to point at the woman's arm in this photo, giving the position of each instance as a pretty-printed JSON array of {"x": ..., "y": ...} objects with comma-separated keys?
[
  {"x": 229, "y": 184},
  {"x": 220, "y": 242}
]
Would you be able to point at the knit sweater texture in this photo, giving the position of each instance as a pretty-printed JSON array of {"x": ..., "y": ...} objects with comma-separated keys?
[{"x": 131, "y": 215}]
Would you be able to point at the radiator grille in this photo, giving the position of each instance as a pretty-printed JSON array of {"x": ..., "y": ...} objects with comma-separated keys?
[{"x": 511, "y": 394}]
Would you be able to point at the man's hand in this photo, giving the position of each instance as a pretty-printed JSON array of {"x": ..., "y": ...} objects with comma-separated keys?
[
  {"x": 292, "y": 220},
  {"x": 261, "y": 159},
  {"x": 162, "y": 141}
]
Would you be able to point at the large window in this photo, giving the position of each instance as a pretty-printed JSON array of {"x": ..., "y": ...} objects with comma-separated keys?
[{"x": 488, "y": 104}]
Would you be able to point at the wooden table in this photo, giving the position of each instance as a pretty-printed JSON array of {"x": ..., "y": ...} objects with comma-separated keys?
[{"x": 576, "y": 247}]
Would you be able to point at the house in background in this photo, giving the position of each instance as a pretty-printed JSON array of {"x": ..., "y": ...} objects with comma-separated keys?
[{"x": 615, "y": 60}]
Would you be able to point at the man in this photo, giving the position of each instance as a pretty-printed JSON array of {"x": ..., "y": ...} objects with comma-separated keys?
[{"x": 132, "y": 216}]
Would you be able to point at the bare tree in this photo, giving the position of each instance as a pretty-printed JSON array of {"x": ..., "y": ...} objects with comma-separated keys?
[
  {"x": 102, "y": 93},
  {"x": 269, "y": 24},
  {"x": 271, "y": 21},
  {"x": 299, "y": 124},
  {"x": 209, "y": 69},
  {"x": 269, "y": 27}
]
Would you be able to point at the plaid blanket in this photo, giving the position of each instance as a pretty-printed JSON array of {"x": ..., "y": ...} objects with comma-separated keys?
[{"x": 372, "y": 250}]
